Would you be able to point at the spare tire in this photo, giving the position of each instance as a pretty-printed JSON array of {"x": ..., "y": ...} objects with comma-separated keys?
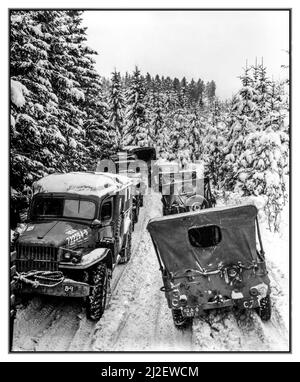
[{"x": 196, "y": 203}]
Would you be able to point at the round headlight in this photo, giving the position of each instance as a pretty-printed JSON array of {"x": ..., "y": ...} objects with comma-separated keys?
[{"x": 67, "y": 255}]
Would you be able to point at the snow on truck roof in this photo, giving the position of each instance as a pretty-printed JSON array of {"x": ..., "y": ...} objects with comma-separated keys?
[{"x": 82, "y": 183}]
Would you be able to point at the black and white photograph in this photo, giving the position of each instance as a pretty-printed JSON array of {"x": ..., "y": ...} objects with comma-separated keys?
[{"x": 149, "y": 180}]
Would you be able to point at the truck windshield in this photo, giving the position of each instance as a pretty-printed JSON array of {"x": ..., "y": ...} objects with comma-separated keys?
[{"x": 59, "y": 207}]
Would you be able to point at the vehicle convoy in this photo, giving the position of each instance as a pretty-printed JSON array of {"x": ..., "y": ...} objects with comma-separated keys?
[
  {"x": 209, "y": 260},
  {"x": 78, "y": 228}
]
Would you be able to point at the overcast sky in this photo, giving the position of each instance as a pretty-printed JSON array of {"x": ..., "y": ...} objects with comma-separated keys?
[{"x": 211, "y": 45}]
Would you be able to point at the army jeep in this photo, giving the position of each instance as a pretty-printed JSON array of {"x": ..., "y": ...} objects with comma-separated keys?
[
  {"x": 78, "y": 228},
  {"x": 209, "y": 260},
  {"x": 184, "y": 191}
]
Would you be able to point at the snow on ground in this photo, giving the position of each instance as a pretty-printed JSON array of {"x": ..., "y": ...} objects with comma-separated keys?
[
  {"x": 137, "y": 316},
  {"x": 223, "y": 331}
]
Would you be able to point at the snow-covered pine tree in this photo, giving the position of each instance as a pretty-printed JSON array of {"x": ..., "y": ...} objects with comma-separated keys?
[
  {"x": 179, "y": 136},
  {"x": 79, "y": 91},
  {"x": 196, "y": 135},
  {"x": 170, "y": 96},
  {"x": 99, "y": 137},
  {"x": 200, "y": 93},
  {"x": 157, "y": 83},
  {"x": 260, "y": 150},
  {"x": 210, "y": 91},
  {"x": 270, "y": 152},
  {"x": 183, "y": 99},
  {"x": 214, "y": 144},
  {"x": 241, "y": 123},
  {"x": 116, "y": 108},
  {"x": 262, "y": 86},
  {"x": 155, "y": 116},
  {"x": 36, "y": 141},
  {"x": 148, "y": 82},
  {"x": 137, "y": 130},
  {"x": 54, "y": 91}
]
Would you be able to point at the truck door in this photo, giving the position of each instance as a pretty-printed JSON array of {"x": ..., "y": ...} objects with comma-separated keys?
[{"x": 106, "y": 218}]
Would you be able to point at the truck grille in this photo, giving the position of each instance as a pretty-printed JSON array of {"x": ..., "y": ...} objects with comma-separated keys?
[{"x": 36, "y": 257}]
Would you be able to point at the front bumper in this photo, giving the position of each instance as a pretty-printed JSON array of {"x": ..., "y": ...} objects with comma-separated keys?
[{"x": 67, "y": 288}]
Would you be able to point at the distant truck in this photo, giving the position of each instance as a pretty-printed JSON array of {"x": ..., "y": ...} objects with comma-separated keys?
[
  {"x": 135, "y": 163},
  {"x": 78, "y": 229}
]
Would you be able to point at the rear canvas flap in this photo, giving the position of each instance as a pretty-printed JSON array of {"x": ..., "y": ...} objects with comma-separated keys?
[{"x": 235, "y": 237}]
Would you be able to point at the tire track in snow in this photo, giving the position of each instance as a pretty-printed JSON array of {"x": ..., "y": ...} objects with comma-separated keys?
[
  {"x": 33, "y": 320},
  {"x": 251, "y": 334},
  {"x": 221, "y": 330},
  {"x": 139, "y": 318}
]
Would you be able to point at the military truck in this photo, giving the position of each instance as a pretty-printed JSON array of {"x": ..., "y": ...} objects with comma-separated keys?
[
  {"x": 209, "y": 259},
  {"x": 135, "y": 163},
  {"x": 78, "y": 229},
  {"x": 126, "y": 165},
  {"x": 184, "y": 190}
]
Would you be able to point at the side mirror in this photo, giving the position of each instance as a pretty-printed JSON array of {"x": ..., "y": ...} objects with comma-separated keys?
[{"x": 95, "y": 223}]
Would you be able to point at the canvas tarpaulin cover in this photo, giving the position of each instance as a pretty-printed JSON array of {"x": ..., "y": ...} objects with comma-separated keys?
[{"x": 238, "y": 238}]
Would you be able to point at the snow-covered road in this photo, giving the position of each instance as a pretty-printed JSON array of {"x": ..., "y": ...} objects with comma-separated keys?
[{"x": 137, "y": 317}]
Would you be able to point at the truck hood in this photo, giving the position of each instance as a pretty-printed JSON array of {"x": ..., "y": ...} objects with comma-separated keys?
[
  {"x": 55, "y": 233},
  {"x": 171, "y": 239}
]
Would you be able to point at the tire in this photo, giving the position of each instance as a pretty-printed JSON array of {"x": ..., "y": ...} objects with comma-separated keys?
[
  {"x": 180, "y": 321},
  {"x": 265, "y": 309},
  {"x": 126, "y": 250},
  {"x": 196, "y": 203},
  {"x": 137, "y": 212},
  {"x": 95, "y": 302},
  {"x": 141, "y": 201},
  {"x": 135, "y": 217}
]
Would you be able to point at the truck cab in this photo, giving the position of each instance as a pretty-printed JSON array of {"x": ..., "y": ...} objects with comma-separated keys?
[{"x": 78, "y": 229}]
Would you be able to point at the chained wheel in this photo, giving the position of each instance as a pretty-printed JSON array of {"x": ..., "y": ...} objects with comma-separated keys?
[{"x": 96, "y": 301}]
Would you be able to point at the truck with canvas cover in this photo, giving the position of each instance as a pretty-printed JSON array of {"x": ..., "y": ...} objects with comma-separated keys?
[
  {"x": 78, "y": 228},
  {"x": 184, "y": 190},
  {"x": 135, "y": 163},
  {"x": 209, "y": 259}
]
